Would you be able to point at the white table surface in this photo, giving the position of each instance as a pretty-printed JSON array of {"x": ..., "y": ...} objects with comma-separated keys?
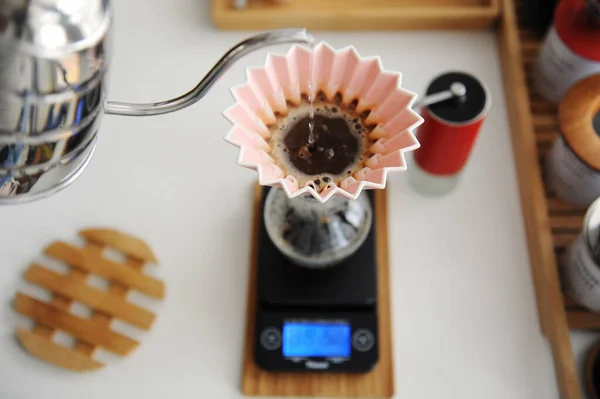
[{"x": 464, "y": 315}]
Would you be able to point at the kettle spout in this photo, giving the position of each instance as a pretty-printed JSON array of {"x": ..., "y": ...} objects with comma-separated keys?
[{"x": 243, "y": 48}]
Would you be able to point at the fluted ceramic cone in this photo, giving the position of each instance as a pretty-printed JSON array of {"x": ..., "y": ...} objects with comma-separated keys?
[{"x": 285, "y": 78}]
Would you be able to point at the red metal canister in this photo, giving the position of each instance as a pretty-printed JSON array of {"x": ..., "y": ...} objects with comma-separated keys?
[
  {"x": 449, "y": 131},
  {"x": 570, "y": 51}
]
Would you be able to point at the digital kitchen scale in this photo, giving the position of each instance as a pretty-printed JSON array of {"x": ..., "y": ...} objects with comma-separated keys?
[{"x": 322, "y": 320}]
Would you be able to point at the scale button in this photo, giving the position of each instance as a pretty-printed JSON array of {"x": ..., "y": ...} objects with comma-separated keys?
[
  {"x": 363, "y": 340},
  {"x": 270, "y": 338}
]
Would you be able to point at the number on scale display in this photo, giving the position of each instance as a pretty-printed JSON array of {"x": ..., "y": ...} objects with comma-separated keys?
[{"x": 306, "y": 339}]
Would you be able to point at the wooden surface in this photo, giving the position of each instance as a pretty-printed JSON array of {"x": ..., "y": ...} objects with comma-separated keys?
[
  {"x": 357, "y": 14},
  {"x": 106, "y": 305},
  {"x": 379, "y": 383},
  {"x": 580, "y": 318},
  {"x": 578, "y": 108},
  {"x": 551, "y": 224}
]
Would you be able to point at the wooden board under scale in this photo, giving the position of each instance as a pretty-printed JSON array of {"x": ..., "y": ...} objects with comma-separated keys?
[
  {"x": 357, "y": 14},
  {"x": 378, "y": 383}
]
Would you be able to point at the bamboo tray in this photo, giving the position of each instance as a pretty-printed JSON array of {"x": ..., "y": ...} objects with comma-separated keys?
[
  {"x": 357, "y": 14},
  {"x": 551, "y": 224}
]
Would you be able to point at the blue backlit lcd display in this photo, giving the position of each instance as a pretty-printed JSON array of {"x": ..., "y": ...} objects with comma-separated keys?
[{"x": 311, "y": 339}]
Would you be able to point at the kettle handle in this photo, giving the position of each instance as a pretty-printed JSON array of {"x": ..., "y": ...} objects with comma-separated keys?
[{"x": 235, "y": 53}]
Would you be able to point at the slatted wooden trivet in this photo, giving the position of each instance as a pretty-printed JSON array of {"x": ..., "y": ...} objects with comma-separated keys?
[{"x": 95, "y": 332}]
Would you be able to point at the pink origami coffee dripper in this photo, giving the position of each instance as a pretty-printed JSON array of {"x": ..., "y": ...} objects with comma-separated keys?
[{"x": 285, "y": 78}]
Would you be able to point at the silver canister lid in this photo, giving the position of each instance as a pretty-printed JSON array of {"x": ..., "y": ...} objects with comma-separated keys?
[
  {"x": 592, "y": 229},
  {"x": 50, "y": 28}
]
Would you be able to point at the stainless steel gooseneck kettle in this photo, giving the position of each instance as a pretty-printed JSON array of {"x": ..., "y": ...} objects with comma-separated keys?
[{"x": 54, "y": 61}]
